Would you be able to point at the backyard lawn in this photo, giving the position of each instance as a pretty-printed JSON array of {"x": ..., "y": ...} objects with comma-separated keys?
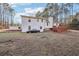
[{"x": 39, "y": 44}]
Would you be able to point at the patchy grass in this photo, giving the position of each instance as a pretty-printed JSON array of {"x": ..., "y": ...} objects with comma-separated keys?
[{"x": 32, "y": 44}]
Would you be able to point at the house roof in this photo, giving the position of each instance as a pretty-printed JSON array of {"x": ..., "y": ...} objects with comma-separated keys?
[{"x": 32, "y": 17}]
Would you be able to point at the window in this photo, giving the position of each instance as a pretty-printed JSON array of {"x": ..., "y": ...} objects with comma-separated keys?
[
  {"x": 7, "y": 5},
  {"x": 29, "y": 27},
  {"x": 29, "y": 20},
  {"x": 47, "y": 23},
  {"x": 40, "y": 27},
  {"x": 37, "y": 20},
  {"x": 41, "y": 20}
]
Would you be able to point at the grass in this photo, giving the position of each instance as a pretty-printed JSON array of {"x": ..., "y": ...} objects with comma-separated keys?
[{"x": 32, "y": 44}]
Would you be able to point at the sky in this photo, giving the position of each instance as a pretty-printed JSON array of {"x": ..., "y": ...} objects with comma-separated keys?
[{"x": 28, "y": 9}]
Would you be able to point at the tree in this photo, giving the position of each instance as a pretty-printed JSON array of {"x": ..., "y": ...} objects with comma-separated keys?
[
  {"x": 63, "y": 12},
  {"x": 59, "y": 11},
  {"x": 12, "y": 13},
  {"x": 38, "y": 14},
  {"x": 45, "y": 13},
  {"x": 75, "y": 24},
  {"x": 56, "y": 9},
  {"x": 6, "y": 13},
  {"x": 53, "y": 9}
]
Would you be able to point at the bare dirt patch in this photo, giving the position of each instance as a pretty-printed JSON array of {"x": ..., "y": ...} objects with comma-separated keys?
[{"x": 39, "y": 44}]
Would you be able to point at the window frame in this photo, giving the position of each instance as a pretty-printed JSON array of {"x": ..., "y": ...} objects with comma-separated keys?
[
  {"x": 29, "y": 20},
  {"x": 41, "y": 27},
  {"x": 37, "y": 20},
  {"x": 41, "y": 20},
  {"x": 29, "y": 27}
]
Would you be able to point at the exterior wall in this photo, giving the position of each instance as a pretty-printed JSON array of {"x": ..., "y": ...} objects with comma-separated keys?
[
  {"x": 36, "y": 24},
  {"x": 50, "y": 22}
]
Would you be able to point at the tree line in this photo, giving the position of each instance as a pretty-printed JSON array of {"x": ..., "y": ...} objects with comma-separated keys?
[
  {"x": 59, "y": 11},
  {"x": 6, "y": 14}
]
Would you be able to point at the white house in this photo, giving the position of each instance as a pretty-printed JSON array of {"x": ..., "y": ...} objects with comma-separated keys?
[{"x": 37, "y": 23}]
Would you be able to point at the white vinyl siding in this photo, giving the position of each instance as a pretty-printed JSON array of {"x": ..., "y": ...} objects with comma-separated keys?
[{"x": 37, "y": 24}]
